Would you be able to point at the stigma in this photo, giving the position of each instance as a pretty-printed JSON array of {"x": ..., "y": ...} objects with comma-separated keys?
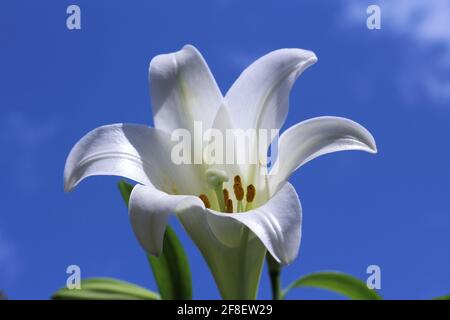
[{"x": 215, "y": 178}]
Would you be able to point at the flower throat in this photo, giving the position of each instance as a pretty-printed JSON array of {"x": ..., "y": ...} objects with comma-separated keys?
[{"x": 215, "y": 179}]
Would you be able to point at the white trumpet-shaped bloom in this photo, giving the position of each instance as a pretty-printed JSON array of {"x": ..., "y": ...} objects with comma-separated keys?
[{"x": 232, "y": 231}]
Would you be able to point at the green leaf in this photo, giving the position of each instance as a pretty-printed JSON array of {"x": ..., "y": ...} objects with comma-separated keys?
[
  {"x": 171, "y": 269},
  {"x": 106, "y": 289},
  {"x": 342, "y": 283},
  {"x": 447, "y": 297},
  {"x": 125, "y": 190}
]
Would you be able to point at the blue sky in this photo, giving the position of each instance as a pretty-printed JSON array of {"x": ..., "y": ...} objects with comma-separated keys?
[{"x": 390, "y": 209}]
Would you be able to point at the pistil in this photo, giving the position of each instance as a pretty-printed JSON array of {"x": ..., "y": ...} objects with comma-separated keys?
[{"x": 215, "y": 179}]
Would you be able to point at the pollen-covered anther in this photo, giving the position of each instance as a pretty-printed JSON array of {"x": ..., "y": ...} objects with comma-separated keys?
[
  {"x": 238, "y": 191},
  {"x": 251, "y": 192},
  {"x": 205, "y": 200},
  {"x": 226, "y": 195},
  {"x": 229, "y": 206},
  {"x": 237, "y": 179}
]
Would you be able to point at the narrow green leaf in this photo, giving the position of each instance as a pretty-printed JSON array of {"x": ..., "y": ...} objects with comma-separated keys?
[
  {"x": 342, "y": 283},
  {"x": 447, "y": 297},
  {"x": 106, "y": 289},
  {"x": 171, "y": 269}
]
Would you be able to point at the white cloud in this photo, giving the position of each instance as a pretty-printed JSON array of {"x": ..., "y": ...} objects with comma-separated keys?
[
  {"x": 424, "y": 28},
  {"x": 9, "y": 262},
  {"x": 26, "y": 137},
  {"x": 26, "y": 132},
  {"x": 241, "y": 59}
]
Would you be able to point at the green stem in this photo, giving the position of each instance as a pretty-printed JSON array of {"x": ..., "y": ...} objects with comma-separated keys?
[
  {"x": 274, "y": 274},
  {"x": 240, "y": 207},
  {"x": 219, "y": 195}
]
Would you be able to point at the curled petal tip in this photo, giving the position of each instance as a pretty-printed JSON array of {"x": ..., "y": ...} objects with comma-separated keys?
[
  {"x": 67, "y": 188},
  {"x": 370, "y": 143},
  {"x": 307, "y": 57},
  {"x": 312, "y": 60},
  {"x": 374, "y": 146},
  {"x": 69, "y": 184},
  {"x": 189, "y": 46},
  {"x": 304, "y": 58}
]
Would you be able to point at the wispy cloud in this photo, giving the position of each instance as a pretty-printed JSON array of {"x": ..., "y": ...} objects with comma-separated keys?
[
  {"x": 241, "y": 59},
  {"x": 29, "y": 132},
  {"x": 424, "y": 28},
  {"x": 9, "y": 260},
  {"x": 24, "y": 137}
]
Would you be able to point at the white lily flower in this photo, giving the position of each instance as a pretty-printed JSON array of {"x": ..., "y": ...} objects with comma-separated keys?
[{"x": 183, "y": 90}]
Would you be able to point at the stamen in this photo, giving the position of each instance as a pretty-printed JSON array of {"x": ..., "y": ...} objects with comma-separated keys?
[
  {"x": 205, "y": 200},
  {"x": 229, "y": 206},
  {"x": 240, "y": 207},
  {"x": 251, "y": 192},
  {"x": 226, "y": 195},
  {"x": 238, "y": 191},
  {"x": 237, "y": 179}
]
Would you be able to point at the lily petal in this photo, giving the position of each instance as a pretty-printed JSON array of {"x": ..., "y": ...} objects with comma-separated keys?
[
  {"x": 234, "y": 245},
  {"x": 234, "y": 255},
  {"x": 132, "y": 151},
  {"x": 223, "y": 124},
  {"x": 236, "y": 268},
  {"x": 183, "y": 90},
  {"x": 149, "y": 210},
  {"x": 315, "y": 137},
  {"x": 260, "y": 96},
  {"x": 277, "y": 224}
]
